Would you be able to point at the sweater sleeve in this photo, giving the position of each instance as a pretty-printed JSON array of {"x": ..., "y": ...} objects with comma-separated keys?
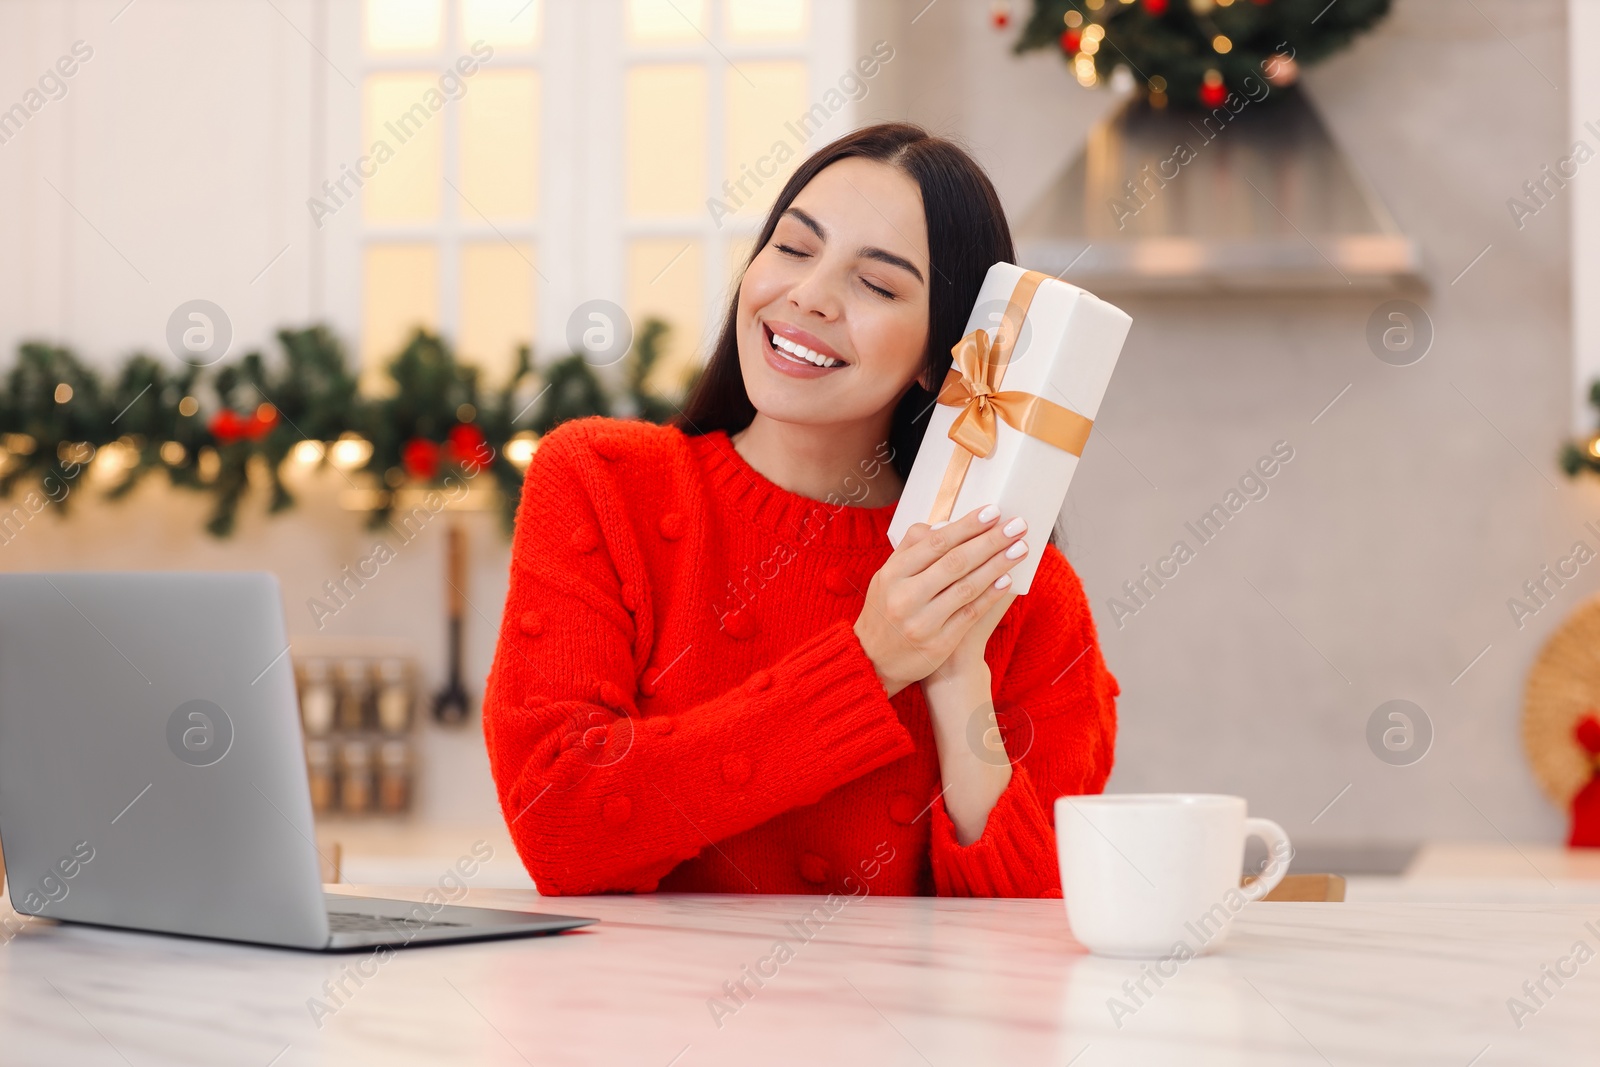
[
  {"x": 601, "y": 799},
  {"x": 1056, "y": 709}
]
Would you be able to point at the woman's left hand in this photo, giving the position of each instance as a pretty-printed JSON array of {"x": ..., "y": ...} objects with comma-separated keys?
[
  {"x": 968, "y": 655},
  {"x": 973, "y": 763}
]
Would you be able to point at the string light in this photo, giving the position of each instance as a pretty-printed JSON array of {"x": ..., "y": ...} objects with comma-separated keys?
[
  {"x": 520, "y": 449},
  {"x": 1222, "y": 45},
  {"x": 351, "y": 450},
  {"x": 114, "y": 458},
  {"x": 18, "y": 444}
]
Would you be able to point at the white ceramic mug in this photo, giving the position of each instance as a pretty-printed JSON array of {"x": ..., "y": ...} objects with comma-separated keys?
[{"x": 1152, "y": 875}]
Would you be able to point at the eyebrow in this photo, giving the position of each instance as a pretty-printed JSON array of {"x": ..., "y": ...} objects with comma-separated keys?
[{"x": 865, "y": 251}]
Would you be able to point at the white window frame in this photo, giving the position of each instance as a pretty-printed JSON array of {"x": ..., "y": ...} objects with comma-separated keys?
[
  {"x": 580, "y": 237},
  {"x": 1583, "y": 43}
]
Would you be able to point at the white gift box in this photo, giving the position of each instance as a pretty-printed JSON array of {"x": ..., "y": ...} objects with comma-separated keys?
[{"x": 1044, "y": 356}]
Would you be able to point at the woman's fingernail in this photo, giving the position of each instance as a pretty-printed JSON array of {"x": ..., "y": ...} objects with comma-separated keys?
[
  {"x": 942, "y": 522},
  {"x": 1017, "y": 551},
  {"x": 1002, "y": 581},
  {"x": 989, "y": 514},
  {"x": 1015, "y": 526}
]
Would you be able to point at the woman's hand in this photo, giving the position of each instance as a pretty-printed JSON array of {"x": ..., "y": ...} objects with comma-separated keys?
[
  {"x": 936, "y": 587},
  {"x": 967, "y": 656}
]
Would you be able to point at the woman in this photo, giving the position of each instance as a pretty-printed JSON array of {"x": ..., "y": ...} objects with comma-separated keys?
[{"x": 715, "y": 675}]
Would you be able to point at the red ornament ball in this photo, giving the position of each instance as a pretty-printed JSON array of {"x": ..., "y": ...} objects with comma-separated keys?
[
  {"x": 1155, "y": 7},
  {"x": 1070, "y": 40},
  {"x": 1212, "y": 90}
]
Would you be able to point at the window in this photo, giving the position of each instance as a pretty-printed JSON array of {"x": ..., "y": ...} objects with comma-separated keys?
[
  {"x": 709, "y": 86},
  {"x": 536, "y": 156},
  {"x": 450, "y": 118}
]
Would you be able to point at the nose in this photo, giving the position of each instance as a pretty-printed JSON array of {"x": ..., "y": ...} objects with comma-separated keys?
[{"x": 817, "y": 292}]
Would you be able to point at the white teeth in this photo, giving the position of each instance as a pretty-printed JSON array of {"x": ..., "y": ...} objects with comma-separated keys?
[{"x": 803, "y": 352}]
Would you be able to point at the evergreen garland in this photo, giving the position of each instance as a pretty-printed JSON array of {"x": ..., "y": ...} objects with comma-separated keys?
[
  {"x": 58, "y": 414},
  {"x": 1579, "y": 456},
  {"x": 1194, "y": 52}
]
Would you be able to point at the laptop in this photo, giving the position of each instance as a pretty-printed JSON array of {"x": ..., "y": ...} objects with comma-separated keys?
[{"x": 153, "y": 776}]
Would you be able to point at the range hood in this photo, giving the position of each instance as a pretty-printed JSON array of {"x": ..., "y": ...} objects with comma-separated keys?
[{"x": 1173, "y": 201}]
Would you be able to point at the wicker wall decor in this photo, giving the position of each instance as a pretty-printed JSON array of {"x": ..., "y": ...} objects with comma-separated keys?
[{"x": 1563, "y": 686}]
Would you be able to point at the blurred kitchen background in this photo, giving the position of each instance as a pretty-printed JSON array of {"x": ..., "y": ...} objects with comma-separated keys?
[{"x": 584, "y": 160}]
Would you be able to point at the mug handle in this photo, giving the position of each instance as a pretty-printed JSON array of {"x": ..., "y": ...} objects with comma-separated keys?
[{"x": 1277, "y": 842}]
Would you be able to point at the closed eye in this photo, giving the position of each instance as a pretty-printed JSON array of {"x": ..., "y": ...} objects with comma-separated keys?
[{"x": 798, "y": 254}]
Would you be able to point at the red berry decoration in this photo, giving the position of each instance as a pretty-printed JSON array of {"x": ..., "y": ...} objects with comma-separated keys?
[
  {"x": 420, "y": 457},
  {"x": 226, "y": 426},
  {"x": 230, "y": 427},
  {"x": 1166, "y": 44},
  {"x": 1000, "y": 16},
  {"x": 468, "y": 447}
]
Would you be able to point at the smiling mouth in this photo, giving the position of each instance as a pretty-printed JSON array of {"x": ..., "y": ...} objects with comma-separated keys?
[{"x": 799, "y": 354}]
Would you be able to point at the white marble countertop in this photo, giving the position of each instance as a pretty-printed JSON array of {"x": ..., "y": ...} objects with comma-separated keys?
[{"x": 884, "y": 981}]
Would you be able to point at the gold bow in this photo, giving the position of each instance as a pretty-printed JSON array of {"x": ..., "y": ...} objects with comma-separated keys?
[{"x": 973, "y": 385}]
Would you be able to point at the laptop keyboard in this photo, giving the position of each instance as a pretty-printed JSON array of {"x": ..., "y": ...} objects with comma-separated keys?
[{"x": 354, "y": 922}]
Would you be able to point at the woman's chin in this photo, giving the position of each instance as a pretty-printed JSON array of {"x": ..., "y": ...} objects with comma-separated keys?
[{"x": 780, "y": 408}]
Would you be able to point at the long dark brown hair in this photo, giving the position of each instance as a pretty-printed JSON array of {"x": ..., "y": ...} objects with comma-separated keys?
[{"x": 967, "y": 233}]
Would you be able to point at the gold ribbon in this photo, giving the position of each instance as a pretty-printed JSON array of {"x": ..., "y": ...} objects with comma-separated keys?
[{"x": 973, "y": 385}]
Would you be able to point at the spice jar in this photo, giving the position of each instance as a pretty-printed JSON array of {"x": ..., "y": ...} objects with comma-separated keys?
[
  {"x": 319, "y": 775},
  {"x": 394, "y": 696},
  {"x": 355, "y": 694},
  {"x": 355, "y": 776},
  {"x": 394, "y": 776},
  {"x": 317, "y": 697}
]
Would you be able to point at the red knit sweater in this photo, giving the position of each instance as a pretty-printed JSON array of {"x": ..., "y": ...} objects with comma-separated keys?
[{"x": 679, "y": 702}]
